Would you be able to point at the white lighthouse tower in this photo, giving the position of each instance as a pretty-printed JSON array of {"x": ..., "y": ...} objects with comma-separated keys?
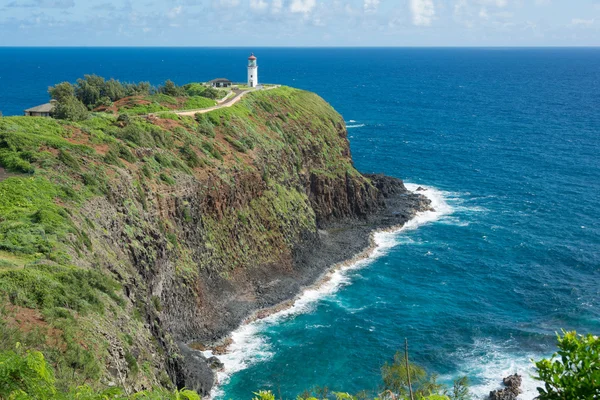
[{"x": 252, "y": 71}]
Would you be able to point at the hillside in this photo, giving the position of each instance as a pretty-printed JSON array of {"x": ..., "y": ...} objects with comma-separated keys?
[{"x": 124, "y": 238}]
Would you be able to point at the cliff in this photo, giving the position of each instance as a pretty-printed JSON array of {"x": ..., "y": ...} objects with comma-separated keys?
[{"x": 124, "y": 238}]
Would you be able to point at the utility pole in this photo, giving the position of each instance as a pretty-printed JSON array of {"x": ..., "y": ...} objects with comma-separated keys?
[{"x": 408, "y": 368}]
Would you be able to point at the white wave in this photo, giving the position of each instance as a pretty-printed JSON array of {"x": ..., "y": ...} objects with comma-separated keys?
[
  {"x": 354, "y": 126},
  {"x": 487, "y": 363},
  {"x": 351, "y": 121},
  {"x": 248, "y": 347}
]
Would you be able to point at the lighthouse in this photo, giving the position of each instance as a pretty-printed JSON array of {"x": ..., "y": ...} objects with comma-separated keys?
[{"x": 252, "y": 71}]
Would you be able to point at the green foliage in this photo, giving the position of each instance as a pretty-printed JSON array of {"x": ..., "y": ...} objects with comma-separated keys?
[
  {"x": 171, "y": 89},
  {"x": 22, "y": 140},
  {"x": 89, "y": 89},
  {"x": 113, "y": 90},
  {"x": 169, "y": 115},
  {"x": 190, "y": 156},
  {"x": 131, "y": 363},
  {"x": 198, "y": 89},
  {"x": 145, "y": 135},
  {"x": 31, "y": 221},
  {"x": 167, "y": 179},
  {"x": 61, "y": 91},
  {"x": 198, "y": 102},
  {"x": 47, "y": 286},
  {"x": 264, "y": 395},
  {"x": 143, "y": 109},
  {"x": 460, "y": 389},
  {"x": 395, "y": 378},
  {"x": 25, "y": 375},
  {"x": 67, "y": 158},
  {"x": 204, "y": 126},
  {"x": 573, "y": 372},
  {"x": 70, "y": 108}
]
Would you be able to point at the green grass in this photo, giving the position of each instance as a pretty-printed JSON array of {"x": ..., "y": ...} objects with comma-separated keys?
[
  {"x": 198, "y": 102},
  {"x": 143, "y": 109},
  {"x": 22, "y": 139},
  {"x": 31, "y": 220}
]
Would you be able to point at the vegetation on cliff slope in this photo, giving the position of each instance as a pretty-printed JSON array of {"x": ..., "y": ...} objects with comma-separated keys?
[
  {"x": 110, "y": 222},
  {"x": 93, "y": 92}
]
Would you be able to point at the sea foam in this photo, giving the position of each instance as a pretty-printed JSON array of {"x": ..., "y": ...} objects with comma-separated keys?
[
  {"x": 248, "y": 346},
  {"x": 487, "y": 362}
]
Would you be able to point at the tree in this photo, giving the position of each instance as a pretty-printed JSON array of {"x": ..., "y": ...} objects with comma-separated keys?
[
  {"x": 61, "y": 91},
  {"x": 171, "y": 89},
  {"x": 89, "y": 89},
  {"x": 114, "y": 90},
  {"x": 395, "y": 378},
  {"x": 70, "y": 108},
  {"x": 573, "y": 372},
  {"x": 460, "y": 389},
  {"x": 140, "y": 88}
]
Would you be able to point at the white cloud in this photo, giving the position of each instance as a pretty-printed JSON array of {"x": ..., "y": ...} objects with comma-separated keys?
[
  {"x": 371, "y": 5},
  {"x": 174, "y": 12},
  {"x": 258, "y": 5},
  {"x": 422, "y": 11},
  {"x": 582, "y": 22},
  {"x": 302, "y": 6},
  {"x": 226, "y": 3},
  {"x": 276, "y": 6}
]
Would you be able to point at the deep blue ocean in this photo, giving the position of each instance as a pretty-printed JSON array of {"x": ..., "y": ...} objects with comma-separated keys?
[{"x": 508, "y": 142}]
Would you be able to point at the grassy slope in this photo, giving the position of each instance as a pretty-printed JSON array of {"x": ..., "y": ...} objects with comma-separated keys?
[{"x": 63, "y": 263}]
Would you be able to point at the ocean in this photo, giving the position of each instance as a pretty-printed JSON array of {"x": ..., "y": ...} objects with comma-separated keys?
[{"x": 507, "y": 143}]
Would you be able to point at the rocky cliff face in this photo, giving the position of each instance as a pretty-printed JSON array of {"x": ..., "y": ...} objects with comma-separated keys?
[{"x": 195, "y": 223}]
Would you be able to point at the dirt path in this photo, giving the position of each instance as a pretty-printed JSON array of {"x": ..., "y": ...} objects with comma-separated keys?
[{"x": 227, "y": 103}]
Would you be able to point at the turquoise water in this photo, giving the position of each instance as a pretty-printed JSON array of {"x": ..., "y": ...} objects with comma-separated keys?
[{"x": 508, "y": 142}]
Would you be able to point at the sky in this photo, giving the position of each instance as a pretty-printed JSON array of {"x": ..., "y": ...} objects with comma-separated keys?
[{"x": 240, "y": 23}]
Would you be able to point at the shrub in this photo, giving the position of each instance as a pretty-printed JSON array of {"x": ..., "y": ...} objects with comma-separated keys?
[
  {"x": 45, "y": 287},
  {"x": 198, "y": 102},
  {"x": 89, "y": 89},
  {"x": 190, "y": 156},
  {"x": 61, "y": 91},
  {"x": 573, "y": 372},
  {"x": 71, "y": 109},
  {"x": 167, "y": 179},
  {"x": 171, "y": 89},
  {"x": 67, "y": 159},
  {"x": 25, "y": 373}
]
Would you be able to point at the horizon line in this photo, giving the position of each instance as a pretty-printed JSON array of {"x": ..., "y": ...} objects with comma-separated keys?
[{"x": 315, "y": 47}]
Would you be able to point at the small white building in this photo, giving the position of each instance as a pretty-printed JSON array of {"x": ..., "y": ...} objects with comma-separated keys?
[{"x": 252, "y": 71}]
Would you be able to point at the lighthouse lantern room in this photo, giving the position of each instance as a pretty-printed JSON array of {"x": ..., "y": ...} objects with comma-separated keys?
[{"x": 252, "y": 71}]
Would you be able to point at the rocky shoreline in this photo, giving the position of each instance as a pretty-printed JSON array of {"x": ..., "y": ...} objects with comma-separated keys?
[{"x": 338, "y": 243}]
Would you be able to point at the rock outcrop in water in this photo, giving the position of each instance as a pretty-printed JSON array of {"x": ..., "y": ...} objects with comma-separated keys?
[
  {"x": 511, "y": 391},
  {"x": 124, "y": 241}
]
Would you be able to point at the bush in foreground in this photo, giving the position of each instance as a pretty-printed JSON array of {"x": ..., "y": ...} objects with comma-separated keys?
[
  {"x": 27, "y": 375},
  {"x": 573, "y": 372}
]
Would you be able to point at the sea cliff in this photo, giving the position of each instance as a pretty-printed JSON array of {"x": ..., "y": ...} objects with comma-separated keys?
[{"x": 123, "y": 239}]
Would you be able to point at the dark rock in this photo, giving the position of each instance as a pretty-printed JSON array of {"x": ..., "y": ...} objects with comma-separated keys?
[
  {"x": 502, "y": 394},
  {"x": 513, "y": 382},
  {"x": 196, "y": 371},
  {"x": 421, "y": 189},
  {"x": 512, "y": 390},
  {"x": 215, "y": 363}
]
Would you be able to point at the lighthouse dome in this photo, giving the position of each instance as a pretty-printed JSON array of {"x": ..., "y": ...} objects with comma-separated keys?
[{"x": 252, "y": 57}]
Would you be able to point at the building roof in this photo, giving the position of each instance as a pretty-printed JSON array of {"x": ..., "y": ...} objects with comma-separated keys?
[
  {"x": 47, "y": 107},
  {"x": 252, "y": 57},
  {"x": 220, "y": 80}
]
